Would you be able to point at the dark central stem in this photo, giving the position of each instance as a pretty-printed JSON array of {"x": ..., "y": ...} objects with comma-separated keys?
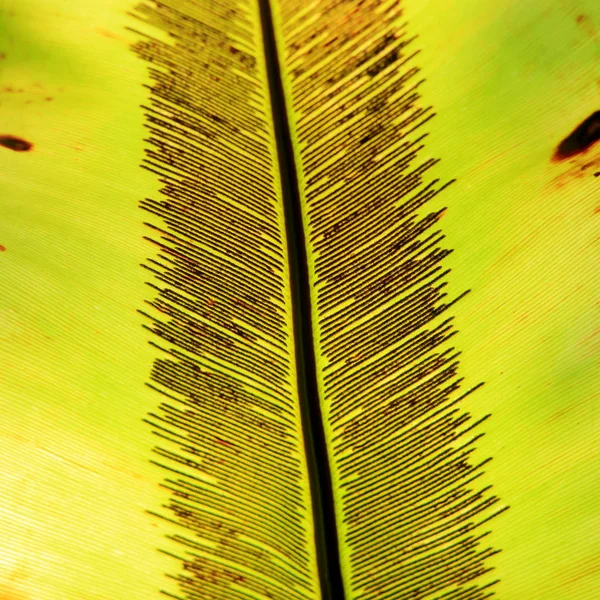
[{"x": 326, "y": 537}]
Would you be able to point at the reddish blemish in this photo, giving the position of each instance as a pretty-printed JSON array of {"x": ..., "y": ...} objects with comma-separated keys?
[
  {"x": 222, "y": 442},
  {"x": 587, "y": 26},
  {"x": 2, "y": 248},
  {"x": 580, "y": 139},
  {"x": 15, "y": 143},
  {"x": 7, "y": 593},
  {"x": 108, "y": 34}
]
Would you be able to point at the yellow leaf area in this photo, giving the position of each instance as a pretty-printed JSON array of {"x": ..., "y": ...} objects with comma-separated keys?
[
  {"x": 509, "y": 81},
  {"x": 75, "y": 478}
]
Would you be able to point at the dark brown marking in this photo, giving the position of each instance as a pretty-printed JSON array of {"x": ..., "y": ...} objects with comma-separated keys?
[
  {"x": 15, "y": 143},
  {"x": 580, "y": 139},
  {"x": 2, "y": 248}
]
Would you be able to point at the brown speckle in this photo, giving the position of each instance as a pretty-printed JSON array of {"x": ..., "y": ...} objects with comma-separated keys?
[
  {"x": 580, "y": 139},
  {"x": 2, "y": 248},
  {"x": 109, "y": 34},
  {"x": 587, "y": 26},
  {"x": 15, "y": 143}
]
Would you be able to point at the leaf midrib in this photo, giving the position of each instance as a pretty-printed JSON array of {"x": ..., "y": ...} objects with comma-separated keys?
[{"x": 320, "y": 480}]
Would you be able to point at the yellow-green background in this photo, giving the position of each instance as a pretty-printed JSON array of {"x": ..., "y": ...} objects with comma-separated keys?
[
  {"x": 75, "y": 478},
  {"x": 508, "y": 81}
]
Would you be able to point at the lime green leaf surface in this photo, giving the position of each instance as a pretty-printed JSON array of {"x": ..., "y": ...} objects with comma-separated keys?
[{"x": 178, "y": 418}]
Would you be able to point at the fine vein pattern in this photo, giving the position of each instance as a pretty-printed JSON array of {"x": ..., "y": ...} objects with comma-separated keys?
[
  {"x": 410, "y": 509},
  {"x": 228, "y": 429}
]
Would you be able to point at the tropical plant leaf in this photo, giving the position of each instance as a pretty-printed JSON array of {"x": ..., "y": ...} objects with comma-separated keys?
[{"x": 348, "y": 216}]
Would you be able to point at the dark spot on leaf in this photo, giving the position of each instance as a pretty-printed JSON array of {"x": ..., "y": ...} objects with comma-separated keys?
[
  {"x": 2, "y": 248},
  {"x": 15, "y": 143},
  {"x": 580, "y": 139},
  {"x": 587, "y": 26},
  {"x": 597, "y": 174}
]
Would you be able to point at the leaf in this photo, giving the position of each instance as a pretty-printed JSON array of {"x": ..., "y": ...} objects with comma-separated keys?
[{"x": 348, "y": 217}]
